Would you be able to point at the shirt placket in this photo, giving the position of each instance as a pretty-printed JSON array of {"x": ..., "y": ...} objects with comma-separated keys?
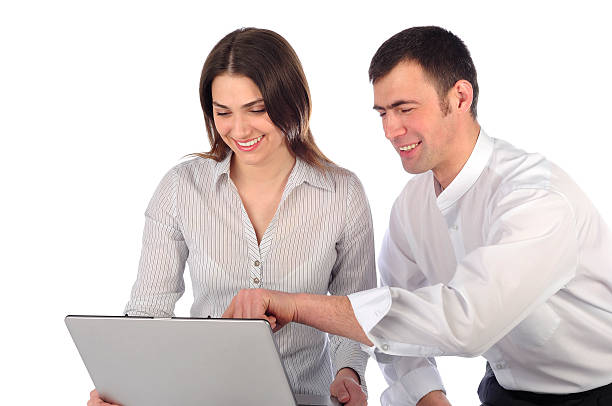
[
  {"x": 500, "y": 366},
  {"x": 453, "y": 221},
  {"x": 254, "y": 254},
  {"x": 257, "y": 252},
  {"x": 256, "y": 279}
]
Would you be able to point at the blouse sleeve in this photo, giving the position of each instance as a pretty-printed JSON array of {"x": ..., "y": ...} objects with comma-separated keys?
[
  {"x": 159, "y": 283},
  {"x": 353, "y": 271}
]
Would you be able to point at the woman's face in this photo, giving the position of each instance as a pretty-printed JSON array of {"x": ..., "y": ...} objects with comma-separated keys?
[{"x": 243, "y": 123}]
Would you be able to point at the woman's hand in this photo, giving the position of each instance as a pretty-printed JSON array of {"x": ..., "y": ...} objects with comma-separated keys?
[
  {"x": 96, "y": 400},
  {"x": 435, "y": 398},
  {"x": 346, "y": 388}
]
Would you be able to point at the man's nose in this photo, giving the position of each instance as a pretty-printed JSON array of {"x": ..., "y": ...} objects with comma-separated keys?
[{"x": 393, "y": 126}]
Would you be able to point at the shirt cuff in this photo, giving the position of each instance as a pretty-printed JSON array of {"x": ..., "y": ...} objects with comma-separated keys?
[
  {"x": 370, "y": 306},
  {"x": 349, "y": 354},
  {"x": 410, "y": 388}
]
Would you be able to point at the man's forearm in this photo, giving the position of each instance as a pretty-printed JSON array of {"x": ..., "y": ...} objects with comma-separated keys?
[{"x": 333, "y": 314}]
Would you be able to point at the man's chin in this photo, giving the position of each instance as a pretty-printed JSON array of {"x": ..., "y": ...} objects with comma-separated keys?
[{"x": 412, "y": 169}]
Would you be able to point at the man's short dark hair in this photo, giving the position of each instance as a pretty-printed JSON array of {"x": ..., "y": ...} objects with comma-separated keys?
[{"x": 441, "y": 54}]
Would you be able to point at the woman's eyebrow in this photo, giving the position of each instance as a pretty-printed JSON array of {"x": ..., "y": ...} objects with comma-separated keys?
[
  {"x": 250, "y": 104},
  {"x": 220, "y": 105},
  {"x": 244, "y": 106}
]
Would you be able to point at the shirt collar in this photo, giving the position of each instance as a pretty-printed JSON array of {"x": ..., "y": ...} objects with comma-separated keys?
[
  {"x": 470, "y": 172},
  {"x": 302, "y": 172},
  {"x": 222, "y": 167}
]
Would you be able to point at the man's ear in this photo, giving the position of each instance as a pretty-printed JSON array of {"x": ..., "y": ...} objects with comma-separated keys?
[{"x": 462, "y": 95}]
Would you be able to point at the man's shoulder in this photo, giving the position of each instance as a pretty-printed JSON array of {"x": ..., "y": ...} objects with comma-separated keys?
[
  {"x": 514, "y": 168},
  {"x": 418, "y": 186},
  {"x": 414, "y": 194}
]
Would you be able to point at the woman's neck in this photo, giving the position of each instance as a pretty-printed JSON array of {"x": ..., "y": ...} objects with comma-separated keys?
[{"x": 271, "y": 172}]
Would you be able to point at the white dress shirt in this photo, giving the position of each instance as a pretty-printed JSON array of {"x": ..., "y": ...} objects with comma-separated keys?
[
  {"x": 320, "y": 240},
  {"x": 511, "y": 261}
]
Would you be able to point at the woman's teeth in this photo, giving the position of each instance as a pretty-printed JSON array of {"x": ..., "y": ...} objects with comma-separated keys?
[{"x": 249, "y": 143}]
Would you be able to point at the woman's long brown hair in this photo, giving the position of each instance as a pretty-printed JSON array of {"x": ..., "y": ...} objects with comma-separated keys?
[{"x": 271, "y": 63}]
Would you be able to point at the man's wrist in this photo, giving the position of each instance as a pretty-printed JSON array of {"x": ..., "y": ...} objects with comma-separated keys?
[
  {"x": 298, "y": 303},
  {"x": 332, "y": 314}
]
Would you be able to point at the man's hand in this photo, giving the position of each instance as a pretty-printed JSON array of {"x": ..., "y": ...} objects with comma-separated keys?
[
  {"x": 332, "y": 314},
  {"x": 434, "y": 398},
  {"x": 346, "y": 388},
  {"x": 96, "y": 400},
  {"x": 278, "y": 308}
]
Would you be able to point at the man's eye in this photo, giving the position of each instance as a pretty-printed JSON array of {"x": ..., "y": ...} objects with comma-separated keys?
[
  {"x": 406, "y": 110},
  {"x": 382, "y": 113}
]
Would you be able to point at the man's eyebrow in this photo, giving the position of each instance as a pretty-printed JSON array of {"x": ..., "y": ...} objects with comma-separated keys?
[
  {"x": 394, "y": 104},
  {"x": 244, "y": 106}
]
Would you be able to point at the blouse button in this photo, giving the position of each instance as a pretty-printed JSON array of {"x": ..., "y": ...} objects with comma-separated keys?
[
  {"x": 256, "y": 263},
  {"x": 256, "y": 281}
]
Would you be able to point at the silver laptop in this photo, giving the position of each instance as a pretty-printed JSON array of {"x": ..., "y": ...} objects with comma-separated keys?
[{"x": 138, "y": 361}]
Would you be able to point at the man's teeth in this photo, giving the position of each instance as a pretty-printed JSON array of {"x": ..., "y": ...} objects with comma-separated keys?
[
  {"x": 252, "y": 142},
  {"x": 408, "y": 147}
]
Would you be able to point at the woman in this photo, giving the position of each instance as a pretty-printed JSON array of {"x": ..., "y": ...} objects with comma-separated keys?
[{"x": 263, "y": 208}]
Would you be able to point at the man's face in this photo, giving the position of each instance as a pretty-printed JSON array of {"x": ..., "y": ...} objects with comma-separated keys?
[{"x": 413, "y": 120}]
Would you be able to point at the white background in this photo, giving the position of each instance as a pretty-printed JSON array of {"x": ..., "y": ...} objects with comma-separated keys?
[{"x": 99, "y": 99}]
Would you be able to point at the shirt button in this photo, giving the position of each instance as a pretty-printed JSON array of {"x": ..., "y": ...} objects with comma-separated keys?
[
  {"x": 500, "y": 365},
  {"x": 256, "y": 281},
  {"x": 385, "y": 347},
  {"x": 256, "y": 263}
]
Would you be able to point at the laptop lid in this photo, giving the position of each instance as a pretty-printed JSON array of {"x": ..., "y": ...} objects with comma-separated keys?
[{"x": 137, "y": 361}]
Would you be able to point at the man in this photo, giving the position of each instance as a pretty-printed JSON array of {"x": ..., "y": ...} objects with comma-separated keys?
[{"x": 490, "y": 251}]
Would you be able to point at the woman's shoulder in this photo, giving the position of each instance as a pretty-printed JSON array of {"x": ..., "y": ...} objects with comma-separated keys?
[
  {"x": 194, "y": 170},
  {"x": 195, "y": 165},
  {"x": 339, "y": 173},
  {"x": 343, "y": 179}
]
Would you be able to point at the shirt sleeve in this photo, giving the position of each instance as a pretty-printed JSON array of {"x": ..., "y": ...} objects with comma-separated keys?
[
  {"x": 531, "y": 252},
  {"x": 159, "y": 283},
  {"x": 409, "y": 378},
  {"x": 353, "y": 271}
]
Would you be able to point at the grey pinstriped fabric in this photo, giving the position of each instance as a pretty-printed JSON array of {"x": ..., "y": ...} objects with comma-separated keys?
[{"x": 320, "y": 240}]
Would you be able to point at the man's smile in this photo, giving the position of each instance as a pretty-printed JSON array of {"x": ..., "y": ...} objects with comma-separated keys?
[{"x": 409, "y": 147}]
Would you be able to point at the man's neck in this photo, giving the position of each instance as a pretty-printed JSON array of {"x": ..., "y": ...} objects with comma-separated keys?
[{"x": 446, "y": 173}]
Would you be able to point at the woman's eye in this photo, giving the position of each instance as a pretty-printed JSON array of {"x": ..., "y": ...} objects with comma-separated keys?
[
  {"x": 258, "y": 111},
  {"x": 221, "y": 113}
]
